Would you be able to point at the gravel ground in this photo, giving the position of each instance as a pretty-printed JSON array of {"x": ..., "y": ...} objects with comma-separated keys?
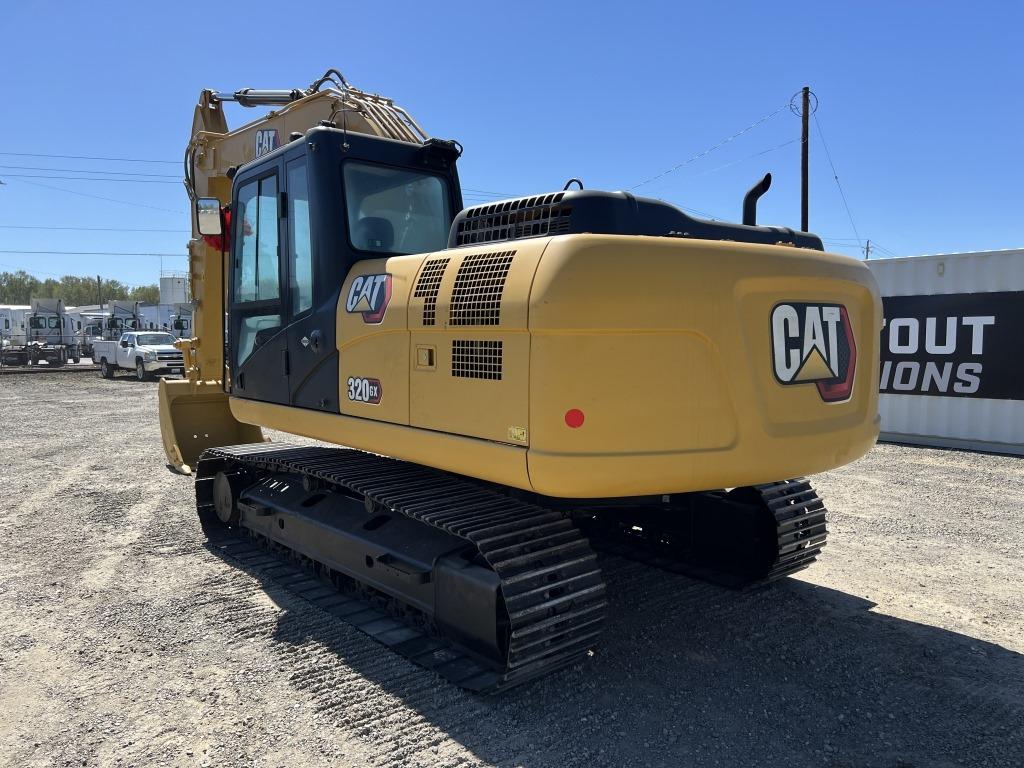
[{"x": 125, "y": 641}]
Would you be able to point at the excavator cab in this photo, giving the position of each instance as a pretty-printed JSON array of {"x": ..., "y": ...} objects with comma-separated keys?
[{"x": 301, "y": 217}]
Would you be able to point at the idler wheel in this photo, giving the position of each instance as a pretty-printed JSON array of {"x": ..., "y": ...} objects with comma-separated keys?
[{"x": 227, "y": 487}]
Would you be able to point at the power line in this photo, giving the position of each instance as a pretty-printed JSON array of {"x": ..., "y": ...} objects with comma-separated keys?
[
  {"x": 81, "y": 170},
  {"x": 749, "y": 157},
  {"x": 86, "y": 157},
  {"x": 712, "y": 148},
  {"x": 850, "y": 246},
  {"x": 22, "y": 176},
  {"x": 91, "y": 229},
  {"x": 882, "y": 248},
  {"x": 86, "y": 178},
  {"x": 486, "y": 192},
  {"x": 96, "y": 253},
  {"x": 835, "y": 176},
  {"x": 99, "y": 197}
]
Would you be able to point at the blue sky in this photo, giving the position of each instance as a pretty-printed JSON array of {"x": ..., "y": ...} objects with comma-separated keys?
[{"x": 920, "y": 105}]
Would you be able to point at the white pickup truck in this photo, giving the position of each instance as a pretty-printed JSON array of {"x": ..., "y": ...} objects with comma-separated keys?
[{"x": 146, "y": 353}]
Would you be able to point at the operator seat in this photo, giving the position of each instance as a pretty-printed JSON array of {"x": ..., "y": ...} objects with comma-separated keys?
[{"x": 373, "y": 233}]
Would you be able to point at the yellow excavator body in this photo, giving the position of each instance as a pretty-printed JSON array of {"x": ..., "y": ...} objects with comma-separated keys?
[
  {"x": 670, "y": 379},
  {"x": 500, "y": 389}
]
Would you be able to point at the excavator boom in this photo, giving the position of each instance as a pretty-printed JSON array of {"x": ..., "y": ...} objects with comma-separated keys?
[{"x": 194, "y": 413}]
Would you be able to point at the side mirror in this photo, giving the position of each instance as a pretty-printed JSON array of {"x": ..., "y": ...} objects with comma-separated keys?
[
  {"x": 208, "y": 216},
  {"x": 178, "y": 325}
]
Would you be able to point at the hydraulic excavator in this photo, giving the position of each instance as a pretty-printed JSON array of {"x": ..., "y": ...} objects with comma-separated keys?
[{"x": 498, "y": 390}]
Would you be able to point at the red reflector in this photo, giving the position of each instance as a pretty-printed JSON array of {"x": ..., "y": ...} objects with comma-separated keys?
[
  {"x": 841, "y": 390},
  {"x": 574, "y": 418}
]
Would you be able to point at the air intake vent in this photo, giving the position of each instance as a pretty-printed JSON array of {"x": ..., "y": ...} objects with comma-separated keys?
[
  {"x": 476, "y": 297},
  {"x": 428, "y": 285},
  {"x": 512, "y": 219},
  {"x": 473, "y": 359}
]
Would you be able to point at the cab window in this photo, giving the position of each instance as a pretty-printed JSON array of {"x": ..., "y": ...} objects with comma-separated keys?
[
  {"x": 256, "y": 264},
  {"x": 256, "y": 252},
  {"x": 394, "y": 210},
  {"x": 299, "y": 246}
]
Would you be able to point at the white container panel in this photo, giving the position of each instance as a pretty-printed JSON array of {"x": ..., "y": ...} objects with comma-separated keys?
[
  {"x": 974, "y": 422},
  {"x": 977, "y": 272}
]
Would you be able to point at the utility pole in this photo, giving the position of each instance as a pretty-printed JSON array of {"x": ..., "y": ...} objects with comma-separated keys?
[
  {"x": 99, "y": 291},
  {"x": 804, "y": 144},
  {"x": 867, "y": 251}
]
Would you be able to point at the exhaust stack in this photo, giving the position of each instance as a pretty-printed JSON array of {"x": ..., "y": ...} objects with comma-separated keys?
[{"x": 750, "y": 200}]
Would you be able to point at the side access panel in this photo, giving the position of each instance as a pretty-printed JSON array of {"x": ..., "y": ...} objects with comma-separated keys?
[
  {"x": 470, "y": 346},
  {"x": 373, "y": 340}
]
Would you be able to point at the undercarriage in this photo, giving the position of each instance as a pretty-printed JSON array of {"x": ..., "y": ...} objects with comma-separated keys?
[{"x": 487, "y": 587}]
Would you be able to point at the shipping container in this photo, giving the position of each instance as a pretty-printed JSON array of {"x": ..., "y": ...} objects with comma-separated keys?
[{"x": 952, "y": 350}]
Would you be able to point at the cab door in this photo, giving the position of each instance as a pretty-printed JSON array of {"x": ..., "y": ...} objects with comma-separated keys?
[
  {"x": 257, "y": 347},
  {"x": 125, "y": 355},
  {"x": 311, "y": 300}
]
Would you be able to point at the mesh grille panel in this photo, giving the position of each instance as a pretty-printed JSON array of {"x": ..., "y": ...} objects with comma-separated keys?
[
  {"x": 428, "y": 285},
  {"x": 472, "y": 359},
  {"x": 511, "y": 219},
  {"x": 476, "y": 297}
]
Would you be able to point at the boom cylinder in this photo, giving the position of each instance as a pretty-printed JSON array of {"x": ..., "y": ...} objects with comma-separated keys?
[{"x": 253, "y": 97}]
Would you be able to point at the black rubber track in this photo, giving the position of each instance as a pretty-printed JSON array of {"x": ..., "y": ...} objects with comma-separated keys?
[
  {"x": 553, "y": 593},
  {"x": 795, "y": 509}
]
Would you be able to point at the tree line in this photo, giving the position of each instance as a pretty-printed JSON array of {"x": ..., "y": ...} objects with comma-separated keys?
[{"x": 21, "y": 287}]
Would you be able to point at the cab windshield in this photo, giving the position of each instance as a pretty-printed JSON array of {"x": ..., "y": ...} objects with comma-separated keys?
[
  {"x": 153, "y": 339},
  {"x": 394, "y": 210}
]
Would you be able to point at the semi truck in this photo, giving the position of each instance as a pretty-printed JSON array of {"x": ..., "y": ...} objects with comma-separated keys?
[
  {"x": 181, "y": 321},
  {"x": 41, "y": 333},
  {"x": 12, "y": 334},
  {"x": 124, "y": 316}
]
